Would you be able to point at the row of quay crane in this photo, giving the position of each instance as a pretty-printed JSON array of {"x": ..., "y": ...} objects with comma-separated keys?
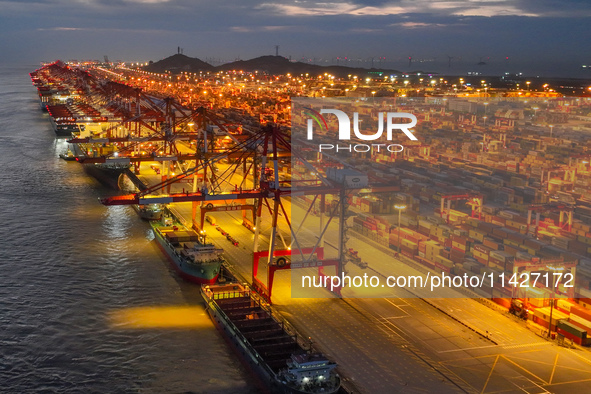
[
  {"x": 127, "y": 127},
  {"x": 261, "y": 153}
]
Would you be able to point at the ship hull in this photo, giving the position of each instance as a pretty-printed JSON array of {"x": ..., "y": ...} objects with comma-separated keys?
[
  {"x": 262, "y": 380},
  {"x": 265, "y": 377},
  {"x": 204, "y": 275},
  {"x": 62, "y": 129},
  {"x": 67, "y": 157},
  {"x": 109, "y": 177}
]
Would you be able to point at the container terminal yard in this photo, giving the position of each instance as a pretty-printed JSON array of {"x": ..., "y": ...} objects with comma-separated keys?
[{"x": 497, "y": 186}]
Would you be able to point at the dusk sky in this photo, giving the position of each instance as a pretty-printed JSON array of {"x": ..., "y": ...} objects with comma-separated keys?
[{"x": 537, "y": 36}]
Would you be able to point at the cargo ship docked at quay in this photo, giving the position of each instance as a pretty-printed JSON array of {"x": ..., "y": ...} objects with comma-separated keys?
[
  {"x": 194, "y": 260},
  {"x": 107, "y": 174},
  {"x": 265, "y": 344},
  {"x": 52, "y": 99}
]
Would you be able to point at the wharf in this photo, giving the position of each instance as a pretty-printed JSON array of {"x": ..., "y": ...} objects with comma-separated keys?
[{"x": 402, "y": 343}]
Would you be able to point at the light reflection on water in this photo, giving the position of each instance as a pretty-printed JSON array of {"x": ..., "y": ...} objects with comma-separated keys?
[
  {"x": 193, "y": 317},
  {"x": 117, "y": 223},
  {"x": 68, "y": 264}
]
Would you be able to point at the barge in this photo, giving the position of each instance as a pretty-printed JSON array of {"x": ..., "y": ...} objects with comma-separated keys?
[
  {"x": 192, "y": 258},
  {"x": 266, "y": 344}
]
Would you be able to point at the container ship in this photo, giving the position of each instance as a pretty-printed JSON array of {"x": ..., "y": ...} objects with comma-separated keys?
[
  {"x": 62, "y": 120},
  {"x": 194, "y": 260},
  {"x": 107, "y": 174},
  {"x": 265, "y": 343}
]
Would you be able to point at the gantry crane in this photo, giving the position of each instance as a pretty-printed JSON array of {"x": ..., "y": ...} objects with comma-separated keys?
[
  {"x": 473, "y": 199},
  {"x": 421, "y": 150},
  {"x": 565, "y": 219}
]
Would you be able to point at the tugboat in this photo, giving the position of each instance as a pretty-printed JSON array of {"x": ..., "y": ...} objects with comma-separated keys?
[
  {"x": 149, "y": 212},
  {"x": 68, "y": 156},
  {"x": 266, "y": 344},
  {"x": 193, "y": 259}
]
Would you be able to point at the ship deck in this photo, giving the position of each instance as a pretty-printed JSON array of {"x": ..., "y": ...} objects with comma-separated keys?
[{"x": 265, "y": 334}]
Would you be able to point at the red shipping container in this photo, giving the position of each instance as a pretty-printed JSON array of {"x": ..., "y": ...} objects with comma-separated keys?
[
  {"x": 458, "y": 239},
  {"x": 511, "y": 250},
  {"x": 426, "y": 263},
  {"x": 441, "y": 267},
  {"x": 482, "y": 249},
  {"x": 456, "y": 252},
  {"x": 568, "y": 335},
  {"x": 499, "y": 221},
  {"x": 481, "y": 261},
  {"x": 580, "y": 311},
  {"x": 456, "y": 259},
  {"x": 543, "y": 323},
  {"x": 407, "y": 254},
  {"x": 574, "y": 323},
  {"x": 423, "y": 247}
]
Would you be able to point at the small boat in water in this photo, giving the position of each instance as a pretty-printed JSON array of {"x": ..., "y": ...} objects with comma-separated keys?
[
  {"x": 149, "y": 211},
  {"x": 193, "y": 259},
  {"x": 68, "y": 156}
]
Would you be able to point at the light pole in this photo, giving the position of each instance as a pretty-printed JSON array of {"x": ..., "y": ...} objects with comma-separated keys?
[
  {"x": 552, "y": 300},
  {"x": 551, "y": 127},
  {"x": 400, "y": 208}
]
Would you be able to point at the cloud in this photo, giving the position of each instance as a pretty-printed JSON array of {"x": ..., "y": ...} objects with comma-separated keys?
[
  {"x": 314, "y": 8},
  {"x": 254, "y": 29},
  {"x": 483, "y": 8},
  {"x": 318, "y": 9},
  {"x": 61, "y": 29},
  {"x": 533, "y": 31},
  {"x": 418, "y": 25},
  {"x": 106, "y": 30},
  {"x": 148, "y": 1},
  {"x": 494, "y": 10},
  {"x": 365, "y": 30},
  {"x": 552, "y": 8}
]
